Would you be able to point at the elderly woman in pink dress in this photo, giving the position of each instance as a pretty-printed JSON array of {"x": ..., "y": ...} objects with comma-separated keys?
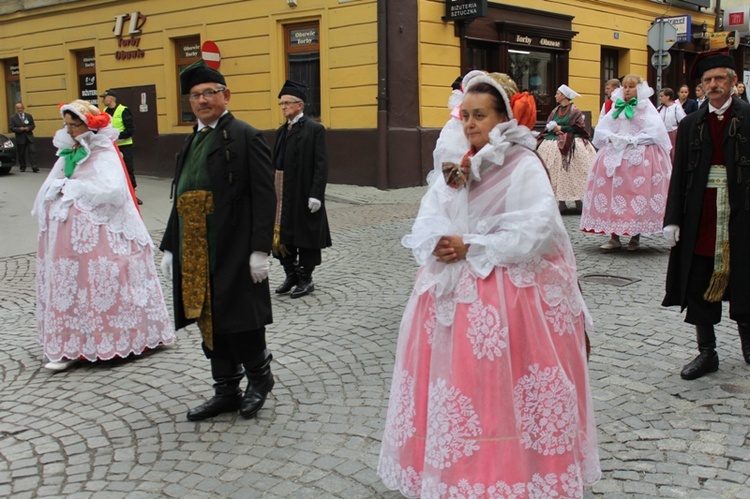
[
  {"x": 490, "y": 394},
  {"x": 627, "y": 188},
  {"x": 566, "y": 150},
  {"x": 98, "y": 294}
]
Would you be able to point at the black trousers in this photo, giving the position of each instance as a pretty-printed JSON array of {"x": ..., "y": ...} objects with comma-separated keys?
[
  {"x": 699, "y": 311},
  {"x": 23, "y": 149},
  {"x": 127, "y": 156},
  {"x": 309, "y": 258},
  {"x": 247, "y": 347}
]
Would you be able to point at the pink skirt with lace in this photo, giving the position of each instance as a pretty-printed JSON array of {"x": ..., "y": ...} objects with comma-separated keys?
[
  {"x": 496, "y": 404},
  {"x": 98, "y": 294},
  {"x": 631, "y": 201}
]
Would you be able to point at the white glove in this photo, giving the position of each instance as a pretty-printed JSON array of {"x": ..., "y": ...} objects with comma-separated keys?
[
  {"x": 258, "y": 266},
  {"x": 166, "y": 264},
  {"x": 672, "y": 234},
  {"x": 551, "y": 125},
  {"x": 313, "y": 204},
  {"x": 619, "y": 142}
]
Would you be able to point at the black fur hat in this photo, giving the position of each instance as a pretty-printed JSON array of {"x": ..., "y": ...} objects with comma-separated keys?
[
  {"x": 198, "y": 73},
  {"x": 293, "y": 88}
]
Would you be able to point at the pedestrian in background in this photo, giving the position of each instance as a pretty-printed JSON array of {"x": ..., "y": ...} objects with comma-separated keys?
[
  {"x": 688, "y": 105},
  {"x": 216, "y": 245},
  {"x": 707, "y": 221},
  {"x": 566, "y": 150},
  {"x": 627, "y": 186},
  {"x": 490, "y": 388},
  {"x": 122, "y": 121},
  {"x": 671, "y": 115},
  {"x": 98, "y": 293},
  {"x": 300, "y": 155},
  {"x": 22, "y": 124},
  {"x": 700, "y": 94},
  {"x": 609, "y": 87},
  {"x": 741, "y": 91}
]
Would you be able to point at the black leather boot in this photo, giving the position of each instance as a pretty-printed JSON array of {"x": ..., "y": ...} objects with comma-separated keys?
[
  {"x": 227, "y": 394},
  {"x": 744, "y": 330},
  {"x": 259, "y": 383},
  {"x": 291, "y": 278},
  {"x": 707, "y": 360},
  {"x": 305, "y": 285}
]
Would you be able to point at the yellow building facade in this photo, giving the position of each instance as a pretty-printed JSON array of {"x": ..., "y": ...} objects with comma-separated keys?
[{"x": 379, "y": 71}]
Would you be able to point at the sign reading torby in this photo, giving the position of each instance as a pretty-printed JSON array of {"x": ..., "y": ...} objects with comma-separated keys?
[
  {"x": 135, "y": 22},
  {"x": 302, "y": 37},
  {"x": 465, "y": 9},
  {"x": 537, "y": 42}
]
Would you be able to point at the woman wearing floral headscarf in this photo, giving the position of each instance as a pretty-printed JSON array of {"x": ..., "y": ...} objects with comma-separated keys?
[
  {"x": 627, "y": 188},
  {"x": 98, "y": 294},
  {"x": 566, "y": 150},
  {"x": 490, "y": 393}
]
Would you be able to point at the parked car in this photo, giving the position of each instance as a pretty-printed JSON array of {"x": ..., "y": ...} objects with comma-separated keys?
[{"x": 7, "y": 154}]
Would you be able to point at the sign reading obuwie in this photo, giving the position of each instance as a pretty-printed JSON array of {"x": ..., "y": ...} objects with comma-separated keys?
[{"x": 465, "y": 9}]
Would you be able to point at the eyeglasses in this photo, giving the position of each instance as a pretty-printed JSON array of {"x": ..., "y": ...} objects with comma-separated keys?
[
  {"x": 289, "y": 102},
  {"x": 206, "y": 94},
  {"x": 72, "y": 126}
]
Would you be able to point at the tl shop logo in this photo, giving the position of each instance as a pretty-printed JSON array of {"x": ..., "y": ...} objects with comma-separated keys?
[{"x": 135, "y": 22}]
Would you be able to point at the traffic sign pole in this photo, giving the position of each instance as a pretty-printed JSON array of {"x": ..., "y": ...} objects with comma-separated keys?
[
  {"x": 661, "y": 36},
  {"x": 658, "y": 69}
]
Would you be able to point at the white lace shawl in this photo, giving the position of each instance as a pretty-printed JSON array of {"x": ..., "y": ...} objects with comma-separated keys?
[
  {"x": 509, "y": 216},
  {"x": 98, "y": 187},
  {"x": 622, "y": 139}
]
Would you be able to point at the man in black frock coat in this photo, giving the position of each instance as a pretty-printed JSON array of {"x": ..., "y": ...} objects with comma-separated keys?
[
  {"x": 707, "y": 218},
  {"x": 217, "y": 242},
  {"x": 300, "y": 156}
]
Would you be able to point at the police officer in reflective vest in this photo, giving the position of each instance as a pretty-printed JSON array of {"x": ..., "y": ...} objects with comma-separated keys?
[{"x": 122, "y": 120}]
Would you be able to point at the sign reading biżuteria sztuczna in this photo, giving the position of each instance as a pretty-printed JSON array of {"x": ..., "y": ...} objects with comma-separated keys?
[{"x": 464, "y": 9}]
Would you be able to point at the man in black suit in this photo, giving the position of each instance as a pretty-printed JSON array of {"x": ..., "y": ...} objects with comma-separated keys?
[
  {"x": 707, "y": 220},
  {"x": 22, "y": 124},
  {"x": 300, "y": 156},
  {"x": 217, "y": 242}
]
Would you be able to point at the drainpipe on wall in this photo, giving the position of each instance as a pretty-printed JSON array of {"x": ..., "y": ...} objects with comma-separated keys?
[
  {"x": 718, "y": 20},
  {"x": 382, "y": 167}
]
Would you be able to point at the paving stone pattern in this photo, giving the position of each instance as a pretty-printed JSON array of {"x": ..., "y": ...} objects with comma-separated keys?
[{"x": 118, "y": 428}]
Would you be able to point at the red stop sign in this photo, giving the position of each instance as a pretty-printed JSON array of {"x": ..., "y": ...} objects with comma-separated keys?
[{"x": 210, "y": 54}]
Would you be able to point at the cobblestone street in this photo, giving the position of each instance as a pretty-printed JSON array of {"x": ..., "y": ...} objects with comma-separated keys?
[{"x": 118, "y": 428}]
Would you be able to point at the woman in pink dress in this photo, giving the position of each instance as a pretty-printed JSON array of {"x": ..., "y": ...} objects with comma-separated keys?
[
  {"x": 98, "y": 294},
  {"x": 490, "y": 394},
  {"x": 627, "y": 186}
]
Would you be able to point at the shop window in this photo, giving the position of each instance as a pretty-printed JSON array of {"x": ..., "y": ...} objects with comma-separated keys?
[
  {"x": 302, "y": 51},
  {"x": 535, "y": 72},
  {"x": 485, "y": 56},
  {"x": 188, "y": 51},
  {"x": 86, "y": 68},
  {"x": 12, "y": 86}
]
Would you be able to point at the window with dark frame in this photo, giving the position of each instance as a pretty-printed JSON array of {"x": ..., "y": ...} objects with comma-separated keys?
[
  {"x": 188, "y": 51},
  {"x": 610, "y": 69},
  {"x": 12, "y": 86},
  {"x": 302, "y": 55},
  {"x": 483, "y": 55},
  {"x": 86, "y": 69}
]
